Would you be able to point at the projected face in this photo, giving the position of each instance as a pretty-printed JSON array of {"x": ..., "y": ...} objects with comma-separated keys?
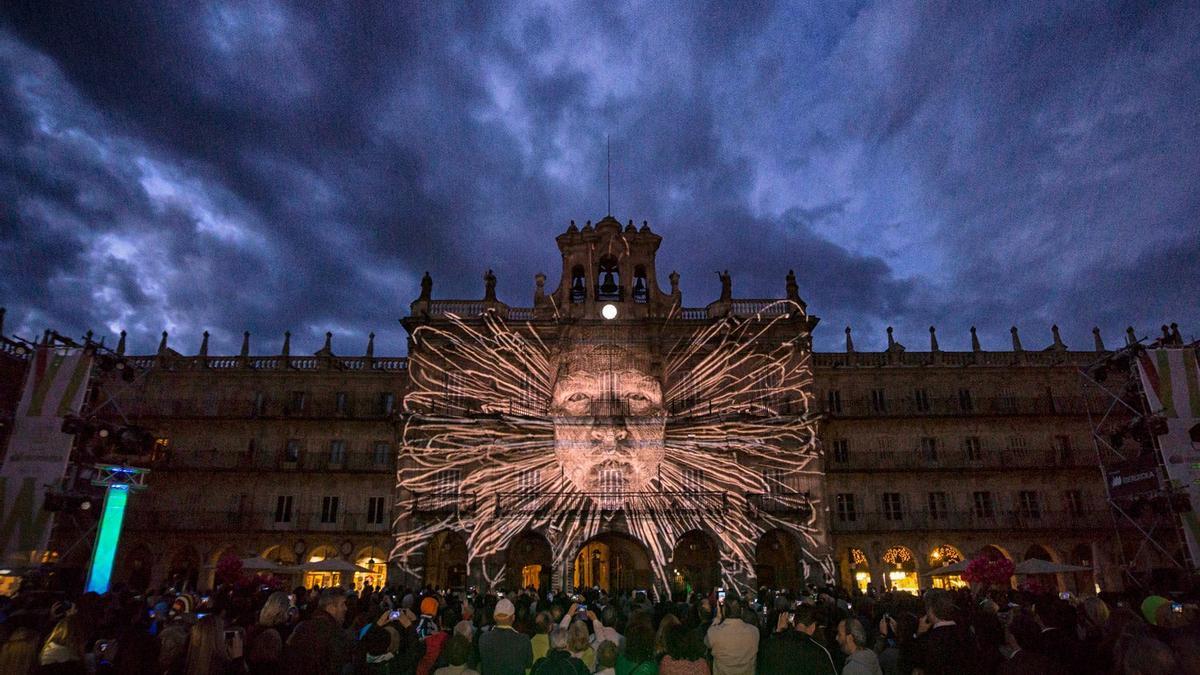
[{"x": 609, "y": 421}]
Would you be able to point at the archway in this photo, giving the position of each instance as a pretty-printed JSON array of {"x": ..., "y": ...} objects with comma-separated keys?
[
  {"x": 902, "y": 570},
  {"x": 776, "y": 561},
  {"x": 614, "y": 562},
  {"x": 993, "y": 552},
  {"x": 860, "y": 569},
  {"x": 1084, "y": 582},
  {"x": 280, "y": 554},
  {"x": 446, "y": 560},
  {"x": 374, "y": 560},
  {"x": 138, "y": 562},
  {"x": 529, "y": 561},
  {"x": 322, "y": 579},
  {"x": 943, "y": 556},
  {"x": 695, "y": 563},
  {"x": 184, "y": 571},
  {"x": 1040, "y": 582}
]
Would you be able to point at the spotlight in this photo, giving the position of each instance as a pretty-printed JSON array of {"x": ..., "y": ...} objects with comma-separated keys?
[{"x": 609, "y": 311}]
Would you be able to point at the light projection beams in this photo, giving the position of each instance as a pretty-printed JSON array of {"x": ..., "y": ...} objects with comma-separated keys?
[{"x": 603, "y": 429}]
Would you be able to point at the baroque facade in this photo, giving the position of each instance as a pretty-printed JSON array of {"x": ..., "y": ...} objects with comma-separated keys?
[{"x": 610, "y": 435}]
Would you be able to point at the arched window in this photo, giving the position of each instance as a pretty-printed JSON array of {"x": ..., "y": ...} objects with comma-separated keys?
[
  {"x": 641, "y": 291},
  {"x": 578, "y": 287},
  {"x": 608, "y": 286}
]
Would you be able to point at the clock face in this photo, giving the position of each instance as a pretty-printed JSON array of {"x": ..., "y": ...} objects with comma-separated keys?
[{"x": 299, "y": 547}]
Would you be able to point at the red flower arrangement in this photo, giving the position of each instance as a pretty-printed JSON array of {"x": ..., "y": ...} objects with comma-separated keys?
[{"x": 993, "y": 571}]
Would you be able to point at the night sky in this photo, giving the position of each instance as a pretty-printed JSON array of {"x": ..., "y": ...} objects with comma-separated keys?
[{"x": 266, "y": 166}]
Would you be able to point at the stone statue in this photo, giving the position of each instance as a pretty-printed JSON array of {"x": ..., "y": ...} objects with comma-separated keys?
[
  {"x": 426, "y": 286},
  {"x": 726, "y": 285},
  {"x": 489, "y": 285}
]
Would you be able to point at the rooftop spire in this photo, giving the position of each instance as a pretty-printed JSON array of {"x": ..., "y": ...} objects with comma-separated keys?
[
  {"x": 975, "y": 341},
  {"x": 1016, "y": 340},
  {"x": 371, "y": 345},
  {"x": 933, "y": 343},
  {"x": 204, "y": 345},
  {"x": 849, "y": 341},
  {"x": 162, "y": 344},
  {"x": 287, "y": 343},
  {"x": 121, "y": 345},
  {"x": 1097, "y": 339}
]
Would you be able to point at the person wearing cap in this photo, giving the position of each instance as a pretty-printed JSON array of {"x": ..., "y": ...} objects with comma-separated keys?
[{"x": 502, "y": 650}]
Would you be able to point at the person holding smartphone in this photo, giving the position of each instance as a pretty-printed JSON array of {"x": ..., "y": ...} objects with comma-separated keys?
[
  {"x": 792, "y": 648},
  {"x": 734, "y": 643}
]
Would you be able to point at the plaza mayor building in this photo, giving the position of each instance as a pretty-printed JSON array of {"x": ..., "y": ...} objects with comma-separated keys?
[{"x": 608, "y": 434}]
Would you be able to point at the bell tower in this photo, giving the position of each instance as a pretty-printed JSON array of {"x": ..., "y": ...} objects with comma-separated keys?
[{"x": 608, "y": 272}]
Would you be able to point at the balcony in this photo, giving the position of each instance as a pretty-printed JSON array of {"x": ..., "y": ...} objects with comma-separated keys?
[
  {"x": 444, "y": 503},
  {"x": 952, "y": 406},
  {"x": 795, "y": 504},
  {"x": 239, "y": 409},
  {"x": 226, "y": 460},
  {"x": 631, "y": 504},
  {"x": 173, "y": 520},
  {"x": 959, "y": 459},
  {"x": 924, "y": 521}
]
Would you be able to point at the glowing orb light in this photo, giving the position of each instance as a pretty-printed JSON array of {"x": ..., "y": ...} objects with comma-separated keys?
[{"x": 609, "y": 311}]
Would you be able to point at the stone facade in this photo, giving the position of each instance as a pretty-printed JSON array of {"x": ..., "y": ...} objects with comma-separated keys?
[{"x": 294, "y": 457}]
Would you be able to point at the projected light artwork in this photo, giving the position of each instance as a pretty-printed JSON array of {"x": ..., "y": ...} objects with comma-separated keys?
[{"x": 627, "y": 451}]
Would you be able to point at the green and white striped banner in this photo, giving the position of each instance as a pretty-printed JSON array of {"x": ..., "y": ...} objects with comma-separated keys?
[{"x": 38, "y": 450}]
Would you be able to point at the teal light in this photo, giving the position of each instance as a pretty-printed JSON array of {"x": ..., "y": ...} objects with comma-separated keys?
[{"x": 106, "y": 540}]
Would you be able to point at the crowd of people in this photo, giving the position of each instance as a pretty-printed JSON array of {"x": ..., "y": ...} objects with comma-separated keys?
[{"x": 257, "y": 628}]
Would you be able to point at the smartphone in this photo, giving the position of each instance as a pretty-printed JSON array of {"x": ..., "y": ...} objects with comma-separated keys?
[
  {"x": 394, "y": 615},
  {"x": 1176, "y": 607},
  {"x": 153, "y": 614},
  {"x": 721, "y": 596},
  {"x": 229, "y": 634},
  {"x": 582, "y": 608},
  {"x": 791, "y": 617},
  {"x": 292, "y": 599},
  {"x": 1065, "y": 595}
]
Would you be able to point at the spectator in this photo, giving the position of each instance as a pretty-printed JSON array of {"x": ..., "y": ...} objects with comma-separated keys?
[
  {"x": 606, "y": 629},
  {"x": 172, "y": 648},
  {"x": 579, "y": 643},
  {"x": 733, "y": 642},
  {"x": 264, "y": 641},
  {"x": 660, "y": 639},
  {"x": 1021, "y": 637},
  {"x": 541, "y": 638},
  {"x": 64, "y": 648},
  {"x": 942, "y": 646},
  {"x": 19, "y": 655},
  {"x": 208, "y": 653},
  {"x": 606, "y": 658},
  {"x": 432, "y": 638},
  {"x": 1144, "y": 655},
  {"x": 684, "y": 651},
  {"x": 792, "y": 648},
  {"x": 852, "y": 638},
  {"x": 319, "y": 644},
  {"x": 558, "y": 661},
  {"x": 1059, "y": 640},
  {"x": 638, "y": 657},
  {"x": 502, "y": 650},
  {"x": 458, "y": 652}
]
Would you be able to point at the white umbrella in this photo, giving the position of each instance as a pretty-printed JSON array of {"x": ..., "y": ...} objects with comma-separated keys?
[
  {"x": 332, "y": 565},
  {"x": 260, "y": 564},
  {"x": 955, "y": 568},
  {"x": 1039, "y": 566}
]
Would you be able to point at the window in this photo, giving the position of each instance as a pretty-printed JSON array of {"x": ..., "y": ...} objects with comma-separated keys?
[
  {"x": 385, "y": 403},
  {"x": 527, "y": 481},
  {"x": 921, "y": 400},
  {"x": 972, "y": 449},
  {"x": 892, "y": 509},
  {"x": 283, "y": 509},
  {"x": 773, "y": 478},
  {"x": 329, "y": 509},
  {"x": 929, "y": 449},
  {"x": 1062, "y": 446},
  {"x": 260, "y": 403},
  {"x": 693, "y": 480},
  {"x": 445, "y": 482},
  {"x": 578, "y": 287},
  {"x": 841, "y": 451},
  {"x": 1029, "y": 505},
  {"x": 291, "y": 451},
  {"x": 379, "y": 456},
  {"x": 983, "y": 505},
  {"x": 375, "y": 510},
  {"x": 1017, "y": 447},
  {"x": 297, "y": 402},
  {"x": 939, "y": 507},
  {"x": 1007, "y": 401},
  {"x": 846, "y": 511},
  {"x": 337, "y": 451},
  {"x": 834, "y": 401},
  {"x": 640, "y": 289},
  {"x": 878, "y": 401},
  {"x": 612, "y": 484},
  {"x": 341, "y": 403},
  {"x": 1074, "y": 499},
  {"x": 965, "y": 402}
]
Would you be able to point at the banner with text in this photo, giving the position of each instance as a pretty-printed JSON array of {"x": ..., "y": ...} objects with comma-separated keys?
[
  {"x": 38, "y": 450},
  {"x": 1171, "y": 380}
]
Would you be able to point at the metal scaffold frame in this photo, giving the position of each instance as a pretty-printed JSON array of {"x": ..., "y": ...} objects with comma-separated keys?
[{"x": 1126, "y": 396}]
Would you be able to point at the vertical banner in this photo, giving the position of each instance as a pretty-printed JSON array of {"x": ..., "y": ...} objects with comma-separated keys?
[
  {"x": 38, "y": 450},
  {"x": 1171, "y": 380}
]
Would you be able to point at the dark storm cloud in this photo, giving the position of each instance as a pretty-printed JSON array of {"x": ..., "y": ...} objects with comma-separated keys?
[{"x": 271, "y": 166}]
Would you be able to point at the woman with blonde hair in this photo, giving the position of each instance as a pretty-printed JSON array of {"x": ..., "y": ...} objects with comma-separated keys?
[
  {"x": 579, "y": 643},
  {"x": 64, "y": 648},
  {"x": 264, "y": 640},
  {"x": 209, "y": 654},
  {"x": 19, "y": 655},
  {"x": 660, "y": 640}
]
